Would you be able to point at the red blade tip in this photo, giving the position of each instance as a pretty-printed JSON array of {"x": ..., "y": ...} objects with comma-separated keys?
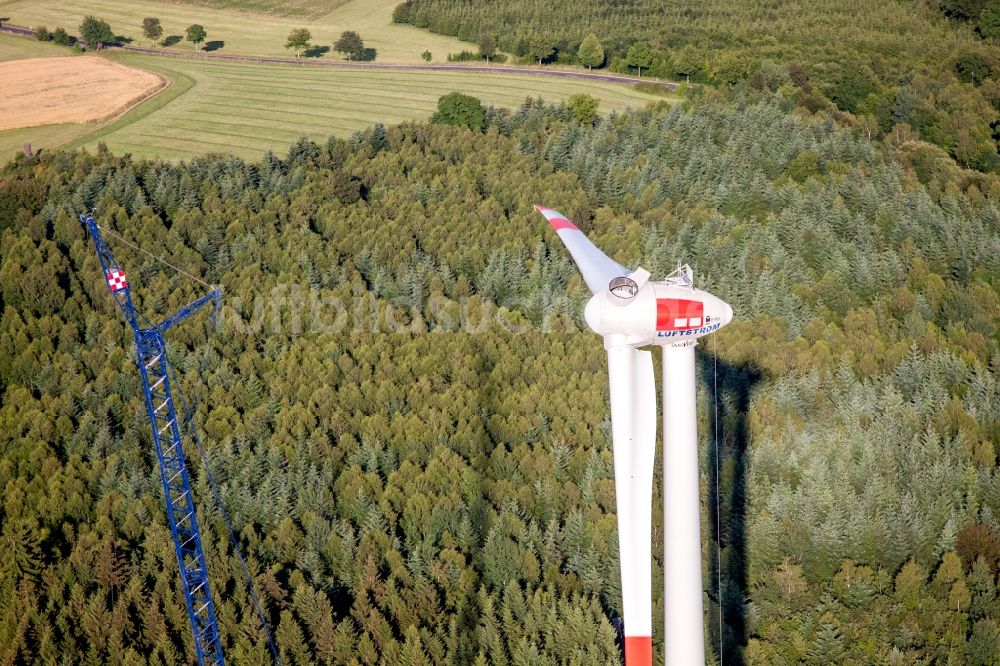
[{"x": 555, "y": 218}]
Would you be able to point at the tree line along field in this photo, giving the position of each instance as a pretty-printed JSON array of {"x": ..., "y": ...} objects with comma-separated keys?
[
  {"x": 712, "y": 37},
  {"x": 246, "y": 32},
  {"x": 247, "y": 109},
  {"x": 883, "y": 66}
]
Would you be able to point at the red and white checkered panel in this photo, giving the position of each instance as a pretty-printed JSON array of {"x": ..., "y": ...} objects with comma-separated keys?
[
  {"x": 676, "y": 314},
  {"x": 116, "y": 279}
]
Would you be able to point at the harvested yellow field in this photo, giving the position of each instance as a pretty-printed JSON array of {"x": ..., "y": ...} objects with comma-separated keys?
[{"x": 45, "y": 91}]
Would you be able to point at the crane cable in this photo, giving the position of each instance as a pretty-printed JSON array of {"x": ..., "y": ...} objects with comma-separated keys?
[
  {"x": 153, "y": 256},
  {"x": 192, "y": 431}
]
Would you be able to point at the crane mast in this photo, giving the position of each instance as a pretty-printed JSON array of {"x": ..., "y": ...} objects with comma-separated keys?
[{"x": 151, "y": 353}]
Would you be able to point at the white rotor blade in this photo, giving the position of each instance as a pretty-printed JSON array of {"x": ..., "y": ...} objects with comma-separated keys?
[
  {"x": 597, "y": 268},
  {"x": 633, "y": 428}
]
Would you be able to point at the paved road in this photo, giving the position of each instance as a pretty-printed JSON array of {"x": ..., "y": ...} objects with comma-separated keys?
[
  {"x": 307, "y": 62},
  {"x": 15, "y": 30}
]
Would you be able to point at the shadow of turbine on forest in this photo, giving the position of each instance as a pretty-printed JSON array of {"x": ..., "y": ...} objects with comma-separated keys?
[
  {"x": 726, "y": 511},
  {"x": 731, "y": 386}
]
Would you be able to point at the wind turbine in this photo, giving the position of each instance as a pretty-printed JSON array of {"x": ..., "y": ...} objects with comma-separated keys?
[{"x": 631, "y": 311}]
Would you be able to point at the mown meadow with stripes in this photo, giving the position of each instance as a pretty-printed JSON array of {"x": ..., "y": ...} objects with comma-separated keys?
[{"x": 246, "y": 109}]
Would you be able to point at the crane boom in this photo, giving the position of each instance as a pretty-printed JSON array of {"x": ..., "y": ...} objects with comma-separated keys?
[{"x": 151, "y": 352}]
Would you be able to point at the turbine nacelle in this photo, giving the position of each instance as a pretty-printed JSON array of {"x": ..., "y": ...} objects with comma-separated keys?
[{"x": 637, "y": 312}]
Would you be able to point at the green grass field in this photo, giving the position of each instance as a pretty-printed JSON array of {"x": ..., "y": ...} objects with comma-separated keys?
[
  {"x": 19, "y": 48},
  {"x": 309, "y": 8},
  {"x": 241, "y": 31},
  {"x": 248, "y": 109},
  {"x": 49, "y": 136}
]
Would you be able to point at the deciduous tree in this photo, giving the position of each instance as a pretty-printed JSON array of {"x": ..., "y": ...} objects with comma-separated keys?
[
  {"x": 151, "y": 29},
  {"x": 61, "y": 37},
  {"x": 96, "y": 32},
  {"x": 487, "y": 47},
  {"x": 989, "y": 21},
  {"x": 196, "y": 34},
  {"x": 349, "y": 43},
  {"x": 584, "y": 107},
  {"x": 298, "y": 39},
  {"x": 639, "y": 56},
  {"x": 591, "y": 52},
  {"x": 540, "y": 49},
  {"x": 977, "y": 540},
  {"x": 458, "y": 109}
]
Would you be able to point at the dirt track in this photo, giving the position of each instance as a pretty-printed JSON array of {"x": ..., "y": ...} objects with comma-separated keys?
[
  {"x": 306, "y": 62},
  {"x": 339, "y": 64},
  {"x": 46, "y": 91}
]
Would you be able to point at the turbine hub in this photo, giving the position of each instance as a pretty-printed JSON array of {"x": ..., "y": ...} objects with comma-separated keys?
[{"x": 623, "y": 287}]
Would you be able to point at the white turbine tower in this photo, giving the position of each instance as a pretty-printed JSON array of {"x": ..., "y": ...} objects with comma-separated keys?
[{"x": 630, "y": 312}]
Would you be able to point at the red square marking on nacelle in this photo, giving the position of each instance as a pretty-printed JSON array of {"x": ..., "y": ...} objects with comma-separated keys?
[{"x": 675, "y": 314}]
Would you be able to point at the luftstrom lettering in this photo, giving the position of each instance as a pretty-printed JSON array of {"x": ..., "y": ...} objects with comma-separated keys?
[{"x": 689, "y": 332}]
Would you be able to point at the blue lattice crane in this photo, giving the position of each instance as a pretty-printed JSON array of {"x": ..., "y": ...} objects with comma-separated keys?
[{"x": 166, "y": 431}]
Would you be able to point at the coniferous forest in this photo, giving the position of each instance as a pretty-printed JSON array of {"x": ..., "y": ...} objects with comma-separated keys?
[
  {"x": 906, "y": 67},
  {"x": 408, "y": 419}
]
